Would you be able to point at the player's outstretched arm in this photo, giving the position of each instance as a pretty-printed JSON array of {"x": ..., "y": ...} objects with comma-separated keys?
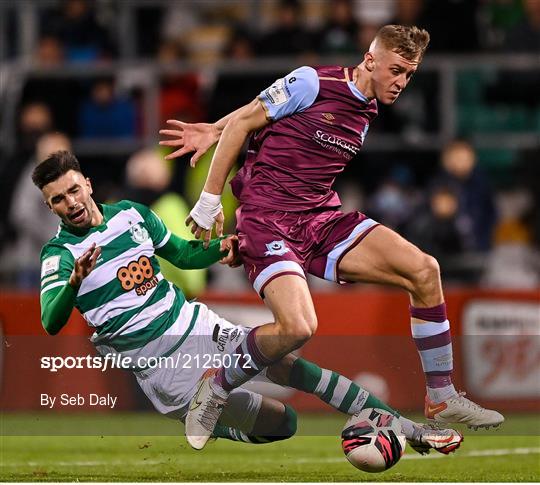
[
  {"x": 192, "y": 254},
  {"x": 57, "y": 303},
  {"x": 207, "y": 210}
]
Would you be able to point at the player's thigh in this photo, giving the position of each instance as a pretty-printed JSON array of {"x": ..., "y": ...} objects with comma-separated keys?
[
  {"x": 290, "y": 301},
  {"x": 384, "y": 257}
]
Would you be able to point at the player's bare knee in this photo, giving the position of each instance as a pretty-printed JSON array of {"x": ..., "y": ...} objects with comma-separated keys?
[
  {"x": 304, "y": 331},
  {"x": 297, "y": 330},
  {"x": 427, "y": 275}
]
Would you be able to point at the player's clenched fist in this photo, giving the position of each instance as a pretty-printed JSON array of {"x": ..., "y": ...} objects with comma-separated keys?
[{"x": 84, "y": 265}]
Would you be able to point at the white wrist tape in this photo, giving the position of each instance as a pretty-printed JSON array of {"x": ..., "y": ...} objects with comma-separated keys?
[{"x": 206, "y": 210}]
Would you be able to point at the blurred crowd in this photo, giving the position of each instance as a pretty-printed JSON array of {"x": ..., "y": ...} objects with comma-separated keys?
[{"x": 478, "y": 217}]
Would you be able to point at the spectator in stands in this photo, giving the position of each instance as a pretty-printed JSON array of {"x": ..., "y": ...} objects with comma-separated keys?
[
  {"x": 105, "y": 115},
  {"x": 33, "y": 221},
  {"x": 460, "y": 171},
  {"x": 49, "y": 52},
  {"x": 77, "y": 27},
  {"x": 392, "y": 203},
  {"x": 289, "y": 37},
  {"x": 61, "y": 94},
  {"x": 34, "y": 120},
  {"x": 525, "y": 36},
  {"x": 437, "y": 228},
  {"x": 339, "y": 34}
]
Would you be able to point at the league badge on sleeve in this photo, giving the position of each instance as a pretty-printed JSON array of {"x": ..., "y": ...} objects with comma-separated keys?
[
  {"x": 276, "y": 93},
  {"x": 50, "y": 266}
]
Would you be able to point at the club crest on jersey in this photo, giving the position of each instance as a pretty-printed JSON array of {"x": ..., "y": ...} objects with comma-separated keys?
[
  {"x": 139, "y": 234},
  {"x": 276, "y": 248}
]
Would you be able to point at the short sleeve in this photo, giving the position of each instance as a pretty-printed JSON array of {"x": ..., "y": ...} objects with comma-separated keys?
[
  {"x": 291, "y": 94},
  {"x": 156, "y": 227},
  {"x": 57, "y": 263}
]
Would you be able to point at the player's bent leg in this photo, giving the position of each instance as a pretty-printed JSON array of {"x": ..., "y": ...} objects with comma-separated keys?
[
  {"x": 295, "y": 322},
  {"x": 288, "y": 297},
  {"x": 346, "y": 396},
  {"x": 290, "y": 301},
  {"x": 385, "y": 257},
  {"x": 332, "y": 388}
]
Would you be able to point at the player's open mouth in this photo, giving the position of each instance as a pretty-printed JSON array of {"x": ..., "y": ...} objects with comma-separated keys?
[{"x": 78, "y": 216}]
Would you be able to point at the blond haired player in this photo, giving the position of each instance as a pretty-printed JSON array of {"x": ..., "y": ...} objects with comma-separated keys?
[{"x": 303, "y": 130}]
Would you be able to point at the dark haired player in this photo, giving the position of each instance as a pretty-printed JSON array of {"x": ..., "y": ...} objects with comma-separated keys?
[{"x": 102, "y": 261}]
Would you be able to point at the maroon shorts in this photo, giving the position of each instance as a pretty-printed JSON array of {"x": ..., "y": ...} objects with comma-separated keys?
[{"x": 274, "y": 243}]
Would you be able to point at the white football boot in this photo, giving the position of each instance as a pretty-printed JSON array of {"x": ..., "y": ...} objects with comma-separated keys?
[
  {"x": 459, "y": 409},
  {"x": 427, "y": 437},
  {"x": 204, "y": 411}
]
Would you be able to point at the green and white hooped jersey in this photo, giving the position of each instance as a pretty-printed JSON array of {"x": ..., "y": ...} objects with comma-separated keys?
[{"x": 134, "y": 310}]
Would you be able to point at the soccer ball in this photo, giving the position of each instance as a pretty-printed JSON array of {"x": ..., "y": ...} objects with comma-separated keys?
[{"x": 372, "y": 440}]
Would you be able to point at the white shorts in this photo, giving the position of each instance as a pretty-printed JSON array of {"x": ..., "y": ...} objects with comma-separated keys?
[{"x": 171, "y": 386}]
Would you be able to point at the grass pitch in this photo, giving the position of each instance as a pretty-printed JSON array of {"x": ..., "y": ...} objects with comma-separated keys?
[{"x": 511, "y": 454}]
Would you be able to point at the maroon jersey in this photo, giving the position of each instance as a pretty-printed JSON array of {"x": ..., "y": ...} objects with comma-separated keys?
[{"x": 320, "y": 122}]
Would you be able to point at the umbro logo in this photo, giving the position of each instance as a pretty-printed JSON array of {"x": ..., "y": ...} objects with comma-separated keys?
[{"x": 328, "y": 118}]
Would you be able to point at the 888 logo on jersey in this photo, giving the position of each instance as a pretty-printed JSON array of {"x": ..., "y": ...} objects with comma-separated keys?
[{"x": 138, "y": 274}]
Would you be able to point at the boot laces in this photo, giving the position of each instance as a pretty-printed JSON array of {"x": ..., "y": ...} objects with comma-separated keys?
[
  {"x": 463, "y": 401},
  {"x": 211, "y": 413},
  {"x": 421, "y": 430}
]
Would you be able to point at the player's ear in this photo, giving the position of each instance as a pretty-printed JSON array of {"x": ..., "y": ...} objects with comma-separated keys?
[
  {"x": 46, "y": 200},
  {"x": 369, "y": 61},
  {"x": 89, "y": 185}
]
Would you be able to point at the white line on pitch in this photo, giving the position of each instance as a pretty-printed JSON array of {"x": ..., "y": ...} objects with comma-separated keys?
[
  {"x": 435, "y": 455},
  {"x": 467, "y": 454}
]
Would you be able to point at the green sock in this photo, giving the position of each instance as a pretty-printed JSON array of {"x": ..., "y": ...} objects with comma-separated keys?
[{"x": 334, "y": 389}]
